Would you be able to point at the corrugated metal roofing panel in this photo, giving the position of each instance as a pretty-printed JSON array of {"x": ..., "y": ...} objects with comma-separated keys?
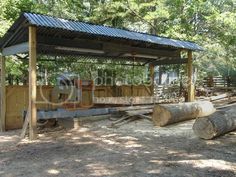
[{"x": 52, "y": 22}]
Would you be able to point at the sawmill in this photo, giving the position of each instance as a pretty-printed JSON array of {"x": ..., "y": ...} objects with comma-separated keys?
[
  {"x": 71, "y": 98},
  {"x": 117, "y": 88},
  {"x": 69, "y": 91}
]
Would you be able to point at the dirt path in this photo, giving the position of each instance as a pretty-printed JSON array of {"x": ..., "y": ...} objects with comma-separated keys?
[{"x": 136, "y": 149}]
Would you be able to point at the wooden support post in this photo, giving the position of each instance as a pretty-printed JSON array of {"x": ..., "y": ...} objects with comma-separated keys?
[
  {"x": 32, "y": 84},
  {"x": 151, "y": 67},
  {"x": 3, "y": 95},
  {"x": 191, "y": 96}
]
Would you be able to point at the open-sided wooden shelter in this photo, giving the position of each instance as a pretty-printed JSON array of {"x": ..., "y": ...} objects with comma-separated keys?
[{"x": 40, "y": 34}]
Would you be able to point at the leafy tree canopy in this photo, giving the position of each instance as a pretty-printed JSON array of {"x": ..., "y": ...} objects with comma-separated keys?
[{"x": 210, "y": 23}]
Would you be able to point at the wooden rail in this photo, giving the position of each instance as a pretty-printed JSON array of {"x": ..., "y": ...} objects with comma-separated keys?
[{"x": 219, "y": 81}]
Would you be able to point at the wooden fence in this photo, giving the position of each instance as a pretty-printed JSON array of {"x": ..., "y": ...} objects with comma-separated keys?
[
  {"x": 17, "y": 99},
  {"x": 220, "y": 81}
]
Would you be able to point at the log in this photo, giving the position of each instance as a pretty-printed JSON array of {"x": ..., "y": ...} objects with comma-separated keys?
[
  {"x": 173, "y": 113},
  {"x": 219, "y": 123},
  {"x": 219, "y": 97}
]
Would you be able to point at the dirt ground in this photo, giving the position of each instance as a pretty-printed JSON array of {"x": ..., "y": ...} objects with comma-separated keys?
[{"x": 135, "y": 149}]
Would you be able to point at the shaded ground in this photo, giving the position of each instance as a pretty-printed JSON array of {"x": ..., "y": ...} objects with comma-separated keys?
[{"x": 136, "y": 149}]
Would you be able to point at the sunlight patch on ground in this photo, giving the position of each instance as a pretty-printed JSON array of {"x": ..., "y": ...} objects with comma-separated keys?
[
  {"x": 127, "y": 138},
  {"x": 131, "y": 144},
  {"x": 100, "y": 170},
  {"x": 212, "y": 163},
  {"x": 156, "y": 161},
  {"x": 85, "y": 143},
  {"x": 206, "y": 163},
  {"x": 109, "y": 135},
  {"x": 4, "y": 139},
  {"x": 77, "y": 160},
  {"x": 181, "y": 154},
  {"x": 110, "y": 142},
  {"x": 156, "y": 171},
  {"x": 53, "y": 171},
  {"x": 76, "y": 138},
  {"x": 82, "y": 129}
]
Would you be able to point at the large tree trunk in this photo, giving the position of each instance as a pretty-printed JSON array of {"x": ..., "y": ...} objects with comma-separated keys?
[
  {"x": 217, "y": 124},
  {"x": 173, "y": 113}
]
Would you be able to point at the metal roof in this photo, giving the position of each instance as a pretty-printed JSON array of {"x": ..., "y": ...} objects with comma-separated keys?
[{"x": 99, "y": 30}]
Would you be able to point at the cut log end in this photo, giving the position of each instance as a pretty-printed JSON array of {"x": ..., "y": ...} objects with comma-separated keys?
[
  {"x": 172, "y": 113},
  {"x": 203, "y": 128},
  {"x": 162, "y": 116},
  {"x": 217, "y": 124}
]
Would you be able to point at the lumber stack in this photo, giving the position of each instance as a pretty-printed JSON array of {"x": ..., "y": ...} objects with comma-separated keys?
[
  {"x": 219, "y": 123},
  {"x": 137, "y": 100},
  {"x": 172, "y": 113}
]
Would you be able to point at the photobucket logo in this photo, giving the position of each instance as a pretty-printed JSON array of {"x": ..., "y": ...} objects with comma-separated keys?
[
  {"x": 65, "y": 91},
  {"x": 118, "y": 81},
  {"x": 69, "y": 88}
]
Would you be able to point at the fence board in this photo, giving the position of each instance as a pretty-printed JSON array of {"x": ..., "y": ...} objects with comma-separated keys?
[{"x": 17, "y": 99}]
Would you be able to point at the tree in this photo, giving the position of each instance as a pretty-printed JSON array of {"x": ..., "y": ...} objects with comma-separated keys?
[{"x": 209, "y": 23}]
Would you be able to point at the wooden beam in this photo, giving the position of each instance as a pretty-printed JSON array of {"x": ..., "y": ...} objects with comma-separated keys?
[
  {"x": 16, "y": 49},
  {"x": 3, "y": 95},
  {"x": 152, "y": 78},
  {"x": 32, "y": 83},
  {"x": 191, "y": 93},
  {"x": 105, "y": 46},
  {"x": 170, "y": 61},
  {"x": 50, "y": 50},
  {"x": 109, "y": 47},
  {"x": 63, "y": 113}
]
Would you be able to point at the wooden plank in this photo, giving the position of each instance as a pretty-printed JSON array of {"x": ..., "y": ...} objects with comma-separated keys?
[
  {"x": 149, "y": 91},
  {"x": 132, "y": 108},
  {"x": 171, "y": 61},
  {"x": 222, "y": 96},
  {"x": 191, "y": 96},
  {"x": 18, "y": 100},
  {"x": 32, "y": 83},
  {"x": 63, "y": 113},
  {"x": 139, "y": 112},
  {"x": 25, "y": 126},
  {"x": 125, "y": 100},
  {"x": 16, "y": 49},
  {"x": 144, "y": 117},
  {"x": 3, "y": 95}
]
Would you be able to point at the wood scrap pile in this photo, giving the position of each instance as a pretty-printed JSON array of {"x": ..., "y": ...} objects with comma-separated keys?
[{"x": 129, "y": 114}]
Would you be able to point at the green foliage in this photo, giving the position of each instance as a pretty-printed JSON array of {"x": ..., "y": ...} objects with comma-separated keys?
[{"x": 210, "y": 23}]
